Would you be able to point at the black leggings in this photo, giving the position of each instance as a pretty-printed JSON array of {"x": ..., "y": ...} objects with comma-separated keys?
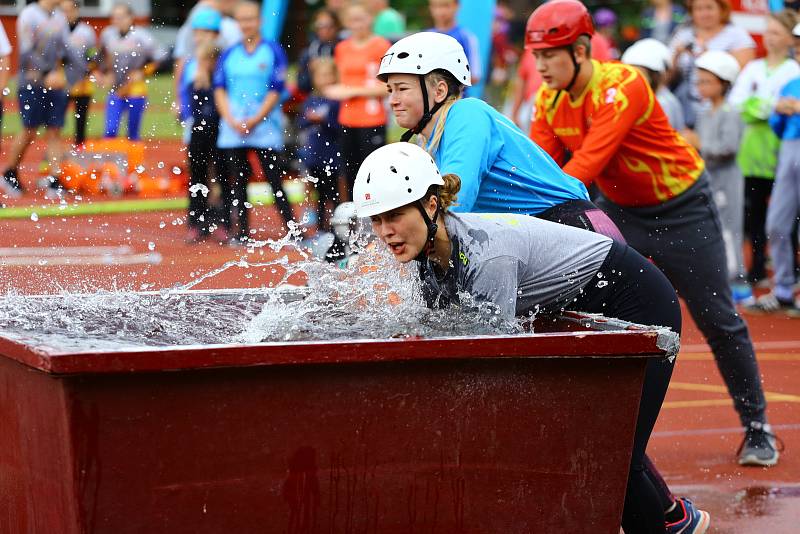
[
  {"x": 357, "y": 144},
  {"x": 633, "y": 289},
  {"x": 81, "y": 116},
  {"x": 234, "y": 191},
  {"x": 205, "y": 168}
]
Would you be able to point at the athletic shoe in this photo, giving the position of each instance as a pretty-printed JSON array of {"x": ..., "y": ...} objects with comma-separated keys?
[
  {"x": 694, "y": 521},
  {"x": 769, "y": 303},
  {"x": 194, "y": 236},
  {"x": 743, "y": 294},
  {"x": 9, "y": 184},
  {"x": 760, "y": 447},
  {"x": 53, "y": 189}
]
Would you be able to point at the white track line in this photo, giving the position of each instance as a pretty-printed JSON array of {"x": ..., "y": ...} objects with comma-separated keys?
[
  {"x": 63, "y": 251},
  {"x": 151, "y": 258},
  {"x": 759, "y": 345},
  {"x": 715, "y": 431}
]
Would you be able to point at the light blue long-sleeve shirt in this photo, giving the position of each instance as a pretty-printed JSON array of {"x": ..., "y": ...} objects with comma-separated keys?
[
  {"x": 787, "y": 126},
  {"x": 501, "y": 169}
]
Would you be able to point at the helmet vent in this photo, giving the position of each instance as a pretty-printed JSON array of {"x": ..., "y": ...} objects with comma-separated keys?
[
  {"x": 467, "y": 68},
  {"x": 368, "y": 178},
  {"x": 393, "y": 169},
  {"x": 409, "y": 189},
  {"x": 407, "y": 178},
  {"x": 403, "y": 55}
]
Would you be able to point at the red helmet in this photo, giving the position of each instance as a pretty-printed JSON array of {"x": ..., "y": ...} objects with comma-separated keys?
[{"x": 557, "y": 23}]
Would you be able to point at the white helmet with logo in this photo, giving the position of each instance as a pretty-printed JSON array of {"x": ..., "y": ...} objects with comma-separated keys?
[
  {"x": 426, "y": 52},
  {"x": 648, "y": 53},
  {"x": 344, "y": 216},
  {"x": 393, "y": 176},
  {"x": 721, "y": 64}
]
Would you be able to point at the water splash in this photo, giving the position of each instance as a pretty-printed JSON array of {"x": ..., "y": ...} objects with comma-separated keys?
[{"x": 373, "y": 298}]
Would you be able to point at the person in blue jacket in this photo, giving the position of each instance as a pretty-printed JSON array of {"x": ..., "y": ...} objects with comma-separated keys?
[
  {"x": 248, "y": 83},
  {"x": 784, "y": 205},
  {"x": 501, "y": 169}
]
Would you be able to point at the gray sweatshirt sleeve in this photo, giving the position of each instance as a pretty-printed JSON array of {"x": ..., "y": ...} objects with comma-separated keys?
[
  {"x": 496, "y": 281},
  {"x": 723, "y": 136}
]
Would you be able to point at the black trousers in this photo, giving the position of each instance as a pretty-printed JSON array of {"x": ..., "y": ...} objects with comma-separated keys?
[
  {"x": 357, "y": 144},
  {"x": 205, "y": 169},
  {"x": 756, "y": 199},
  {"x": 81, "y": 117},
  {"x": 684, "y": 238},
  {"x": 234, "y": 190},
  {"x": 633, "y": 289}
]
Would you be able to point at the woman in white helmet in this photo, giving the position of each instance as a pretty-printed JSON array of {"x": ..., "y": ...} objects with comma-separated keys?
[
  {"x": 653, "y": 59},
  {"x": 501, "y": 169},
  {"x": 518, "y": 264}
]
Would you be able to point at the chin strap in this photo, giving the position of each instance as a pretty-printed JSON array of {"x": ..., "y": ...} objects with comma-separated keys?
[
  {"x": 427, "y": 114},
  {"x": 575, "y": 71},
  {"x": 432, "y": 229}
]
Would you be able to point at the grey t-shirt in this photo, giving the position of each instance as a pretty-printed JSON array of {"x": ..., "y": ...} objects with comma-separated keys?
[
  {"x": 514, "y": 261},
  {"x": 41, "y": 41},
  {"x": 123, "y": 54},
  {"x": 83, "y": 47}
]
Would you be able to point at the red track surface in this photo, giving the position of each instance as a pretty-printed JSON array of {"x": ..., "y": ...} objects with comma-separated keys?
[{"x": 695, "y": 440}]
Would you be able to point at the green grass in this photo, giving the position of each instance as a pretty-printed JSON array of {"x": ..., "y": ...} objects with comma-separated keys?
[{"x": 159, "y": 122}]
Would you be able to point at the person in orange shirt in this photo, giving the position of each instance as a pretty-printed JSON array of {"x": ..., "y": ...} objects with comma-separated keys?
[
  {"x": 653, "y": 185},
  {"x": 362, "y": 113}
]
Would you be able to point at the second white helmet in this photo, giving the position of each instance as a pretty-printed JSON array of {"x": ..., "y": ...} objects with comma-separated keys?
[
  {"x": 648, "y": 53},
  {"x": 721, "y": 64},
  {"x": 425, "y": 52},
  {"x": 393, "y": 176}
]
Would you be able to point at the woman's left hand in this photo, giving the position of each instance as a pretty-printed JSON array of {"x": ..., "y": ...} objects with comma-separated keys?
[{"x": 338, "y": 92}]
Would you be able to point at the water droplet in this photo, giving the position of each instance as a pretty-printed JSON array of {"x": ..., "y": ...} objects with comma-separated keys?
[
  {"x": 176, "y": 170},
  {"x": 162, "y": 224},
  {"x": 34, "y": 217},
  {"x": 140, "y": 169},
  {"x": 6, "y": 91},
  {"x": 151, "y": 246}
]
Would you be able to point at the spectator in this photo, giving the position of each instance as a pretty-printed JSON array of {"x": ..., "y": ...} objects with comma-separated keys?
[
  {"x": 82, "y": 58},
  {"x": 710, "y": 29},
  {"x": 128, "y": 55},
  {"x": 205, "y": 160},
  {"x": 248, "y": 83},
  {"x": 5, "y": 71},
  {"x": 326, "y": 30},
  {"x": 319, "y": 129},
  {"x": 661, "y": 19},
  {"x": 605, "y": 22},
  {"x": 784, "y": 205},
  {"x": 443, "y": 13},
  {"x": 185, "y": 42},
  {"x": 42, "y": 41},
  {"x": 719, "y": 132},
  {"x": 652, "y": 58},
  {"x": 755, "y": 94},
  {"x": 388, "y": 22},
  {"x": 362, "y": 113}
]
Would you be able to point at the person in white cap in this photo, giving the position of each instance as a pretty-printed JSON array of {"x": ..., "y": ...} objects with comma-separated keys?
[
  {"x": 653, "y": 59},
  {"x": 718, "y": 136},
  {"x": 517, "y": 265}
]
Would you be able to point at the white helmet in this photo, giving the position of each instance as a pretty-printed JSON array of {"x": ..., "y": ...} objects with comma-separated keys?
[
  {"x": 393, "y": 176},
  {"x": 425, "y": 52},
  {"x": 648, "y": 53},
  {"x": 343, "y": 216},
  {"x": 721, "y": 64}
]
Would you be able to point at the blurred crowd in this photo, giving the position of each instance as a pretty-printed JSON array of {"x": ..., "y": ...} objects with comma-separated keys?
[{"x": 241, "y": 104}]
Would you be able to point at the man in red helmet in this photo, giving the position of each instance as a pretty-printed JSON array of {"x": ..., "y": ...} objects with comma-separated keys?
[{"x": 602, "y": 123}]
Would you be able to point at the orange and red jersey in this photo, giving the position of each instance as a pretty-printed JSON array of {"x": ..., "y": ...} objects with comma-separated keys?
[
  {"x": 618, "y": 137},
  {"x": 358, "y": 66}
]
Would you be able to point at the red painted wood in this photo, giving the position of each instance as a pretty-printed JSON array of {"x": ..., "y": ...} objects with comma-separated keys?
[{"x": 514, "y": 435}]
